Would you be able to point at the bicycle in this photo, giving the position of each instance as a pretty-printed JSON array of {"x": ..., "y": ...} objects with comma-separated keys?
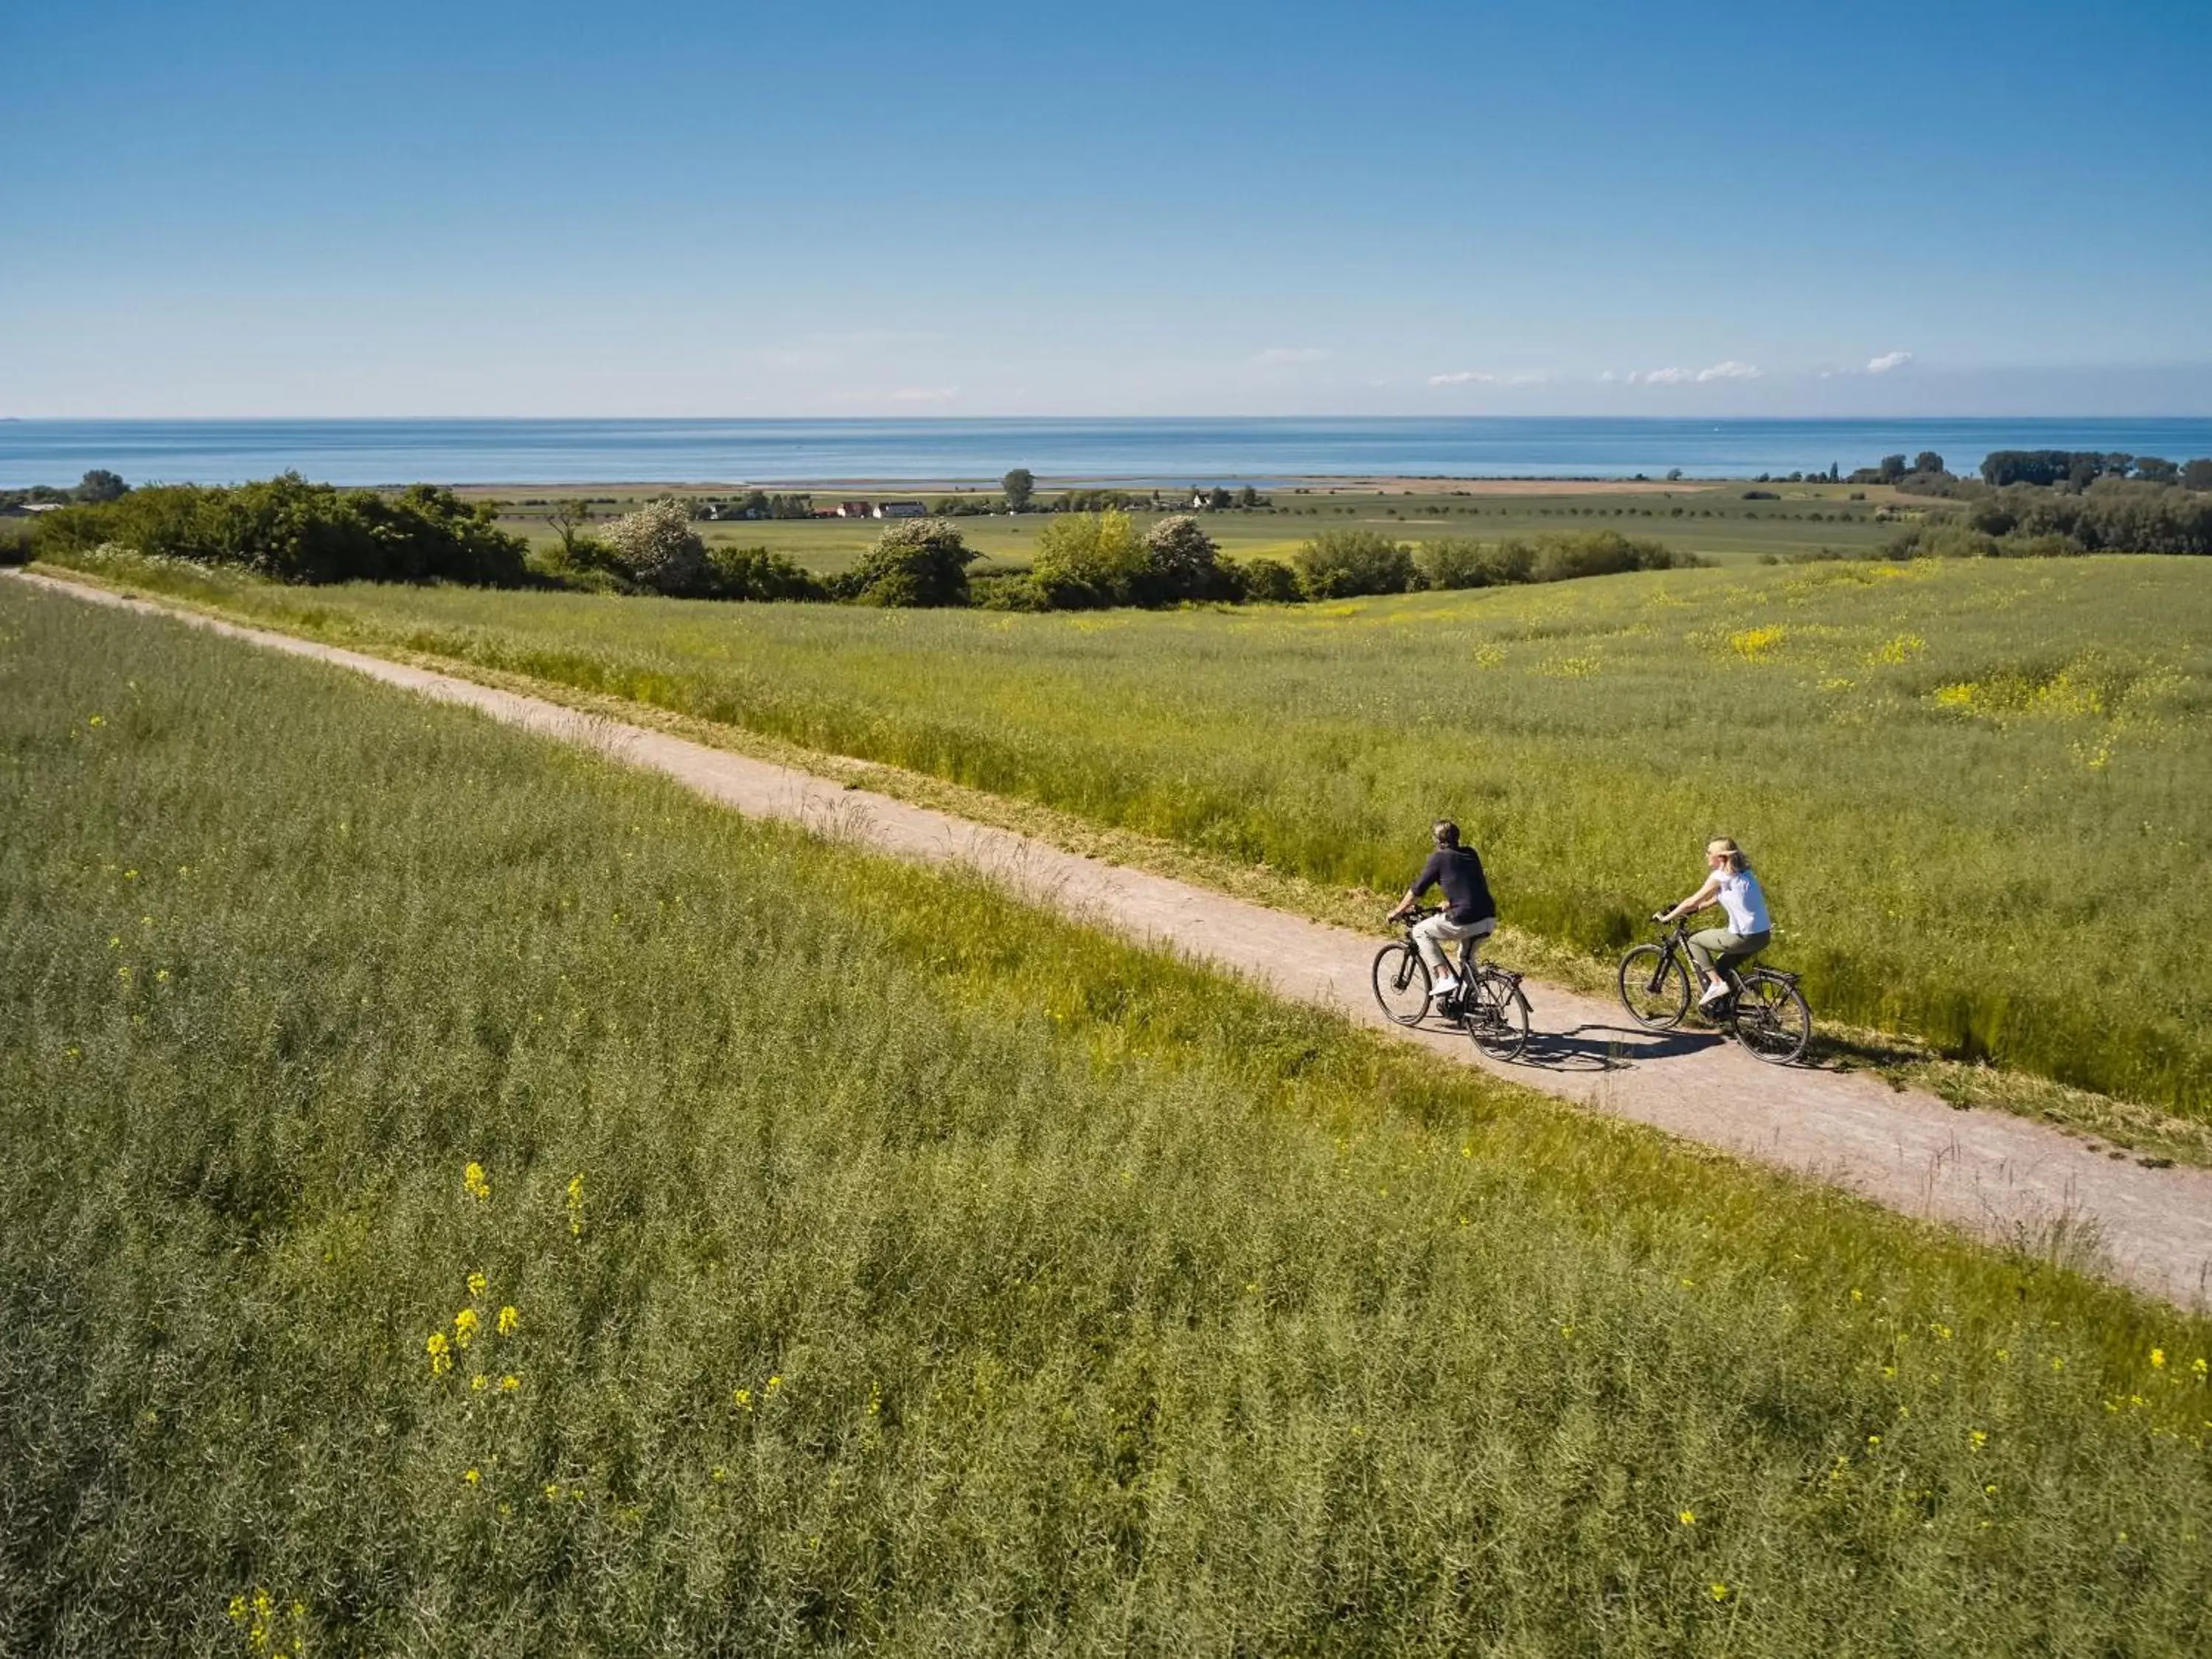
[
  {"x": 1764, "y": 1010},
  {"x": 1489, "y": 1004}
]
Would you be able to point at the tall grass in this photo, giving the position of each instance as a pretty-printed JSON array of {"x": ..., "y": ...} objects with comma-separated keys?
[
  {"x": 1975, "y": 790},
  {"x": 893, "y": 1268}
]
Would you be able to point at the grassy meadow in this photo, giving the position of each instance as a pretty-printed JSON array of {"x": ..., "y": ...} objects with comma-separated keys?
[
  {"x": 1711, "y": 520},
  {"x": 467, "y": 1198},
  {"x": 1974, "y": 789}
]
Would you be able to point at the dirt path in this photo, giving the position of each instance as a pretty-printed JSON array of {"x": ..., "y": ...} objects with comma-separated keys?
[{"x": 2002, "y": 1177}]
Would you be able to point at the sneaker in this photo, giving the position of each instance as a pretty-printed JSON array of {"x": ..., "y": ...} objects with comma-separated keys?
[
  {"x": 1713, "y": 993},
  {"x": 1443, "y": 987}
]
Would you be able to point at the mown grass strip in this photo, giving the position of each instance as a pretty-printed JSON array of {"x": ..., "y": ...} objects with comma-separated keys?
[{"x": 892, "y": 1266}]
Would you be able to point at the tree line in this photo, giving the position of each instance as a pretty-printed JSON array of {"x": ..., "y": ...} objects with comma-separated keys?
[{"x": 289, "y": 530}]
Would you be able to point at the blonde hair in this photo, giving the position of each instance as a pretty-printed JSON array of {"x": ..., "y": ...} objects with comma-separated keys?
[{"x": 1737, "y": 862}]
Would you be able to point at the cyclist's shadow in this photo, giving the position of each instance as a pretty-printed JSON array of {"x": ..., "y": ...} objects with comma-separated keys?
[{"x": 1612, "y": 1048}]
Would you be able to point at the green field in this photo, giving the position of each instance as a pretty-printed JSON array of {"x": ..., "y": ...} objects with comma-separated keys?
[
  {"x": 1975, "y": 789},
  {"x": 894, "y": 1269},
  {"x": 1713, "y": 522}
]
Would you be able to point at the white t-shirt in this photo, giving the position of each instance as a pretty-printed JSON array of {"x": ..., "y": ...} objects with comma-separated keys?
[{"x": 1745, "y": 904}]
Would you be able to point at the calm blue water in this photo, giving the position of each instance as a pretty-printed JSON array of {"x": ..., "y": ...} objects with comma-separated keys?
[{"x": 1147, "y": 451}]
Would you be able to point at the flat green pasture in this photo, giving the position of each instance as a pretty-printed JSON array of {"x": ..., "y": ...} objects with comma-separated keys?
[
  {"x": 1975, "y": 790},
  {"x": 1713, "y": 522},
  {"x": 465, "y": 1197}
]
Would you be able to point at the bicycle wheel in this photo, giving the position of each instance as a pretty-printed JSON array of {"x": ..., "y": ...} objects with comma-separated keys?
[
  {"x": 1773, "y": 1021},
  {"x": 1497, "y": 1015},
  {"x": 1654, "y": 988},
  {"x": 1401, "y": 984}
]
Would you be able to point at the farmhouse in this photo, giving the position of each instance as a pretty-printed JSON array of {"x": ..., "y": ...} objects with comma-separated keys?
[
  {"x": 899, "y": 510},
  {"x": 854, "y": 510}
]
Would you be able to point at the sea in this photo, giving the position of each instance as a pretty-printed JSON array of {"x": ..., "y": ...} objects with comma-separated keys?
[{"x": 1170, "y": 452}]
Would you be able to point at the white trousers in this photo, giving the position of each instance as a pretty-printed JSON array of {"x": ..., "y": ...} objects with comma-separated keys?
[{"x": 1430, "y": 937}]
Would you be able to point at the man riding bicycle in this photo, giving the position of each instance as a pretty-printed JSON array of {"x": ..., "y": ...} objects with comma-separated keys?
[{"x": 1468, "y": 914}]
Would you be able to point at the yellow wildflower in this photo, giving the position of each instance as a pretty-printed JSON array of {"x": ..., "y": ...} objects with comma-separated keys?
[
  {"x": 476, "y": 1283},
  {"x": 510, "y": 1383},
  {"x": 474, "y": 1184},
  {"x": 2158, "y": 1358},
  {"x": 742, "y": 1399},
  {"x": 474, "y": 1477},
  {"x": 1688, "y": 1518},
  {"x": 509, "y": 1321},
  {"x": 441, "y": 1358},
  {"x": 1718, "y": 1591},
  {"x": 577, "y": 1205},
  {"x": 1980, "y": 1437},
  {"x": 478, "y": 1381},
  {"x": 465, "y": 1327}
]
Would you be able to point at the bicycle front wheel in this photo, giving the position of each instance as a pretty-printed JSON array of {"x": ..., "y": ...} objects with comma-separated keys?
[
  {"x": 1401, "y": 984},
  {"x": 1497, "y": 1016},
  {"x": 1654, "y": 988},
  {"x": 1773, "y": 1020}
]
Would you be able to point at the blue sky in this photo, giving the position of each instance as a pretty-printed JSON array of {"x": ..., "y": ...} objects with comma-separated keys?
[{"x": 852, "y": 208}]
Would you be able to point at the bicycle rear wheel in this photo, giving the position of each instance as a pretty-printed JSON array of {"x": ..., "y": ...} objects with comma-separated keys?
[
  {"x": 1654, "y": 988},
  {"x": 1401, "y": 984},
  {"x": 1773, "y": 1020},
  {"x": 1497, "y": 1015}
]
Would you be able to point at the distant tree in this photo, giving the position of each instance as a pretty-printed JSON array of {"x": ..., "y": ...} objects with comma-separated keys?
[
  {"x": 1085, "y": 560},
  {"x": 1891, "y": 470},
  {"x": 2157, "y": 468},
  {"x": 1339, "y": 563},
  {"x": 1673, "y": 475},
  {"x": 1928, "y": 461},
  {"x": 1247, "y": 497},
  {"x": 101, "y": 485},
  {"x": 657, "y": 548},
  {"x": 568, "y": 519},
  {"x": 1020, "y": 485},
  {"x": 917, "y": 562},
  {"x": 2197, "y": 475},
  {"x": 1182, "y": 560}
]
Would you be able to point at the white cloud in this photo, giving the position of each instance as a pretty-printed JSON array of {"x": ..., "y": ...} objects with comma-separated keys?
[
  {"x": 1729, "y": 370},
  {"x": 1477, "y": 377},
  {"x": 1277, "y": 355},
  {"x": 1888, "y": 361}
]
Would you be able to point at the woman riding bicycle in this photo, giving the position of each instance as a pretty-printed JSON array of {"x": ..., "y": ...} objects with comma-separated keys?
[{"x": 1748, "y": 929}]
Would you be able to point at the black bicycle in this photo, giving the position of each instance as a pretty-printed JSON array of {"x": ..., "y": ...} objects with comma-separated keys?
[
  {"x": 1764, "y": 1010},
  {"x": 1488, "y": 1005}
]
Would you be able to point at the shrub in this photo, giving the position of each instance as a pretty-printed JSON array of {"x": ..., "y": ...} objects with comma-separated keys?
[
  {"x": 755, "y": 573},
  {"x": 1087, "y": 560},
  {"x": 1602, "y": 553},
  {"x": 1008, "y": 590},
  {"x": 916, "y": 563},
  {"x": 1341, "y": 563},
  {"x": 657, "y": 549},
  {"x": 15, "y": 544},
  {"x": 1267, "y": 581},
  {"x": 1182, "y": 562},
  {"x": 295, "y": 532},
  {"x": 1456, "y": 563}
]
